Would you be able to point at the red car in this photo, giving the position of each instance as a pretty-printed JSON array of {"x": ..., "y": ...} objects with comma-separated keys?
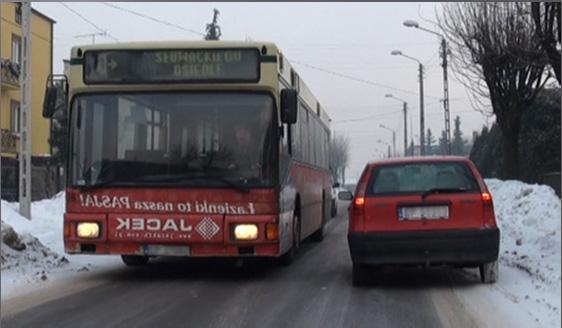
[{"x": 422, "y": 211}]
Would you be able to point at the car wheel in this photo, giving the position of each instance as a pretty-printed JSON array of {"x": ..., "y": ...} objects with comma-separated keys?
[
  {"x": 360, "y": 275},
  {"x": 134, "y": 260},
  {"x": 489, "y": 272},
  {"x": 288, "y": 258}
]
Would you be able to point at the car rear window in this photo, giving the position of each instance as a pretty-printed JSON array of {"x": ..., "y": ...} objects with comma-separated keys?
[{"x": 414, "y": 178}]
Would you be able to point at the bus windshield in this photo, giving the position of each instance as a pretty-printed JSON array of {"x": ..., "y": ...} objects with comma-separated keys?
[{"x": 172, "y": 139}]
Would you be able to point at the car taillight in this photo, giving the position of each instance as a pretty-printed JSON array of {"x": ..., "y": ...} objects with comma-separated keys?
[
  {"x": 359, "y": 201},
  {"x": 359, "y": 206},
  {"x": 488, "y": 206}
]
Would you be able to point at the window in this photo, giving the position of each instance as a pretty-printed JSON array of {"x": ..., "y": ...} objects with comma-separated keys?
[
  {"x": 16, "y": 49},
  {"x": 173, "y": 138},
  {"x": 281, "y": 66},
  {"x": 14, "y": 116},
  {"x": 417, "y": 178},
  {"x": 18, "y": 13}
]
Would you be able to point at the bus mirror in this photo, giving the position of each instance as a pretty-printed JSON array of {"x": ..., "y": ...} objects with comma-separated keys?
[
  {"x": 289, "y": 100},
  {"x": 50, "y": 101}
]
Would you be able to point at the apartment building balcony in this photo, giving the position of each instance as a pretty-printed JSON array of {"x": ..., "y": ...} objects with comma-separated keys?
[
  {"x": 10, "y": 142},
  {"x": 10, "y": 74}
]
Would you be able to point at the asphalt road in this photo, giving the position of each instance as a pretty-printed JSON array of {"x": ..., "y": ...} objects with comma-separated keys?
[{"x": 315, "y": 291}]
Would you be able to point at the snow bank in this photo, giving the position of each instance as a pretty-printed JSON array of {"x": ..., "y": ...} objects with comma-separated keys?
[
  {"x": 32, "y": 249},
  {"x": 25, "y": 255},
  {"x": 43, "y": 257},
  {"x": 529, "y": 217}
]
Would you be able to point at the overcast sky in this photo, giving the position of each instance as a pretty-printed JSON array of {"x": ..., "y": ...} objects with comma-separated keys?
[{"x": 353, "y": 39}]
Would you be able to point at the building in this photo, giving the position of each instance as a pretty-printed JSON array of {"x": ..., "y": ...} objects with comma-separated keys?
[{"x": 41, "y": 67}]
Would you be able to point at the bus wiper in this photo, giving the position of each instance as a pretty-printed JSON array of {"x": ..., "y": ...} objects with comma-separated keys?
[
  {"x": 178, "y": 177},
  {"x": 98, "y": 185},
  {"x": 232, "y": 184},
  {"x": 187, "y": 177},
  {"x": 441, "y": 190}
]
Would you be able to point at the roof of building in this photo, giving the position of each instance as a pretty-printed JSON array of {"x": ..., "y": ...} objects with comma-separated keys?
[{"x": 40, "y": 14}]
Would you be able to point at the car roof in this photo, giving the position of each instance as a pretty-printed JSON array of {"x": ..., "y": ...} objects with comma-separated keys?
[{"x": 418, "y": 159}]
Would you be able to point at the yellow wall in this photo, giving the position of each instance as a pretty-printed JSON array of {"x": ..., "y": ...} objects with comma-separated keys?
[{"x": 41, "y": 66}]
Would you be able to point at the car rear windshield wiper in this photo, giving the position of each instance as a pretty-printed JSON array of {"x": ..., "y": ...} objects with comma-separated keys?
[{"x": 441, "y": 191}]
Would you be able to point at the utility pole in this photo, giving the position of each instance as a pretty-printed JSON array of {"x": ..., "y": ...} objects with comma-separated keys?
[
  {"x": 446, "y": 95},
  {"x": 422, "y": 123},
  {"x": 25, "y": 115},
  {"x": 444, "y": 51},
  {"x": 405, "y": 105},
  {"x": 394, "y": 143}
]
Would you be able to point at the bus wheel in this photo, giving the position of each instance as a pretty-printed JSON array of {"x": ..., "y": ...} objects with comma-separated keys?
[
  {"x": 287, "y": 258},
  {"x": 318, "y": 235},
  {"x": 134, "y": 260}
]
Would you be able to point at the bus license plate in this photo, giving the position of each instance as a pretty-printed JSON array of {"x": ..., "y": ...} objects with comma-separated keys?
[
  {"x": 164, "y": 250},
  {"x": 423, "y": 212}
]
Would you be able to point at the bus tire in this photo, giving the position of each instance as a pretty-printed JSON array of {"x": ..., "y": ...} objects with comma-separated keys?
[
  {"x": 334, "y": 209},
  {"x": 288, "y": 258},
  {"x": 318, "y": 235},
  {"x": 134, "y": 260}
]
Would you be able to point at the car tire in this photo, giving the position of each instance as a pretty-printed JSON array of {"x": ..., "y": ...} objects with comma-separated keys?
[
  {"x": 489, "y": 272},
  {"x": 288, "y": 258},
  {"x": 360, "y": 275},
  {"x": 134, "y": 260}
]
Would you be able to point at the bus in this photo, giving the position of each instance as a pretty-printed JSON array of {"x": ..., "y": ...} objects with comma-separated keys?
[{"x": 195, "y": 149}]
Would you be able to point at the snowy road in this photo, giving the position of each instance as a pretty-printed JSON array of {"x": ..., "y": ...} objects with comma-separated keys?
[
  {"x": 315, "y": 291},
  {"x": 39, "y": 289}
]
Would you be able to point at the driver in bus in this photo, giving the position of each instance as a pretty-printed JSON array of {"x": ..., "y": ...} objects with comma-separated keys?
[{"x": 245, "y": 153}]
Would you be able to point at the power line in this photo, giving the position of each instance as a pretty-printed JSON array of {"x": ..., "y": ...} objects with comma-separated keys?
[
  {"x": 88, "y": 21},
  {"x": 157, "y": 20},
  {"x": 372, "y": 117},
  {"x": 356, "y": 79}
]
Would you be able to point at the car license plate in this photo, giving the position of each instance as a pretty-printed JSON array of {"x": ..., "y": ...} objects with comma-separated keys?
[
  {"x": 164, "y": 250},
  {"x": 423, "y": 212}
]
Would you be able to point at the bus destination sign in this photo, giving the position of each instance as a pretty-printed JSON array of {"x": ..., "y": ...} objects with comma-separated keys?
[{"x": 174, "y": 66}]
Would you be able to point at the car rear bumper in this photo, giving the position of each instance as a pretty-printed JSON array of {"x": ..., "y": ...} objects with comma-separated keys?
[{"x": 458, "y": 247}]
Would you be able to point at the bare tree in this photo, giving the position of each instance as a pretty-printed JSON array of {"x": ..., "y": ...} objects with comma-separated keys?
[
  {"x": 497, "y": 56},
  {"x": 546, "y": 16},
  {"x": 339, "y": 157}
]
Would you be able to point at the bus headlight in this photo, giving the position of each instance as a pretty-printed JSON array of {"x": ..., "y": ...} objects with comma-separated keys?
[
  {"x": 246, "y": 232},
  {"x": 88, "y": 230}
]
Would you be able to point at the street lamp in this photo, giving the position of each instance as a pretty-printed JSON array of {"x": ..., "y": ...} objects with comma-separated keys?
[
  {"x": 393, "y": 138},
  {"x": 405, "y": 109},
  {"x": 422, "y": 125},
  {"x": 444, "y": 52}
]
